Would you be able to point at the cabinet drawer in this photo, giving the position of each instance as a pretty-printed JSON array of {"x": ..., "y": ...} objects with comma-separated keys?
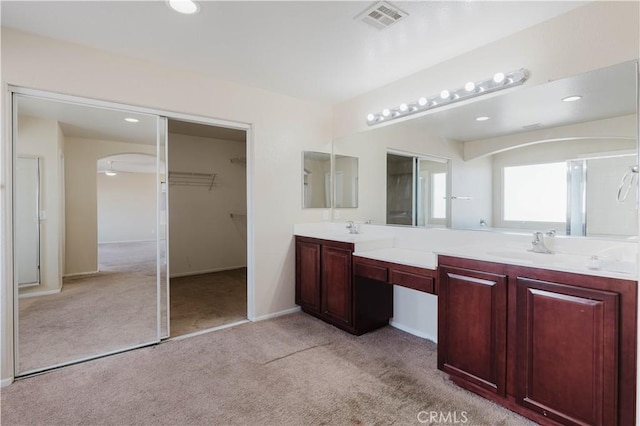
[
  {"x": 414, "y": 281},
  {"x": 377, "y": 273}
]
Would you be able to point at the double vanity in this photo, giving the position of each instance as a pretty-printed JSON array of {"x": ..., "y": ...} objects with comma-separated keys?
[{"x": 552, "y": 336}]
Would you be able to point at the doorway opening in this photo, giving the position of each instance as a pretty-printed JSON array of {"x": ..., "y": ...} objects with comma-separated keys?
[{"x": 207, "y": 216}]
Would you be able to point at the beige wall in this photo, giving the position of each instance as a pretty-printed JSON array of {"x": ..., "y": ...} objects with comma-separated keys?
[
  {"x": 81, "y": 198},
  {"x": 42, "y": 138},
  {"x": 126, "y": 207},
  {"x": 203, "y": 236}
]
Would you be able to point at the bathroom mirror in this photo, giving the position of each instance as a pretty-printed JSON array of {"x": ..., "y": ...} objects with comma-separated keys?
[
  {"x": 345, "y": 175},
  {"x": 316, "y": 180},
  {"x": 591, "y": 141}
]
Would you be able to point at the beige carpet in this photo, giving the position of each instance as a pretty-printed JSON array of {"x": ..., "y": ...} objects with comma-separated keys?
[
  {"x": 210, "y": 300},
  {"x": 292, "y": 370},
  {"x": 112, "y": 310}
]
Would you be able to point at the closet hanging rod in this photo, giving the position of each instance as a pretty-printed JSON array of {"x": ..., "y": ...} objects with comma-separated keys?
[{"x": 192, "y": 179}]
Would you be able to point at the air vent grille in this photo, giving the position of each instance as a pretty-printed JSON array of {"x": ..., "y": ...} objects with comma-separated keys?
[{"x": 381, "y": 15}]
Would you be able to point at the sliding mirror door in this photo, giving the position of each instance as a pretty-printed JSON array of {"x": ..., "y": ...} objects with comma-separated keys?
[{"x": 93, "y": 231}]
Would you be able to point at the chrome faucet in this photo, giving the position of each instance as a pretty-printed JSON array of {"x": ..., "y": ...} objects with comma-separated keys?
[
  {"x": 538, "y": 244},
  {"x": 352, "y": 227}
]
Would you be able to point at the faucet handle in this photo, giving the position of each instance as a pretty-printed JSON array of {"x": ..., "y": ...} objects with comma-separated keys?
[{"x": 550, "y": 233}]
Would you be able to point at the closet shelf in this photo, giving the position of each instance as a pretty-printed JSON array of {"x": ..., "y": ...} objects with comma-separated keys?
[{"x": 192, "y": 179}]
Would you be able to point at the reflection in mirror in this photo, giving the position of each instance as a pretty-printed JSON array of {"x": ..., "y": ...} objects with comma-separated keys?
[
  {"x": 91, "y": 223},
  {"x": 416, "y": 190},
  {"x": 345, "y": 177},
  {"x": 316, "y": 180},
  {"x": 496, "y": 171}
]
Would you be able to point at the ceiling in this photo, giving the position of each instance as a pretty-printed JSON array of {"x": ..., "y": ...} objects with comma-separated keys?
[{"x": 312, "y": 50}]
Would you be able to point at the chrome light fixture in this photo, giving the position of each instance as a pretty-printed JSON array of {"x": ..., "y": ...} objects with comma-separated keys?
[
  {"x": 110, "y": 171},
  {"x": 471, "y": 89}
]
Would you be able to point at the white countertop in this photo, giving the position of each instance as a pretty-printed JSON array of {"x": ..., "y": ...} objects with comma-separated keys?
[{"x": 419, "y": 247}]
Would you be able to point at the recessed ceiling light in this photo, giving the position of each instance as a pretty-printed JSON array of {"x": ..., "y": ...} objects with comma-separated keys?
[
  {"x": 131, "y": 120},
  {"x": 188, "y": 7},
  {"x": 572, "y": 98},
  {"x": 483, "y": 118}
]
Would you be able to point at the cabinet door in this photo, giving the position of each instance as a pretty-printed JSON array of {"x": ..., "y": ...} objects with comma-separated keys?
[
  {"x": 567, "y": 352},
  {"x": 308, "y": 276},
  {"x": 336, "y": 284},
  {"x": 472, "y": 327}
]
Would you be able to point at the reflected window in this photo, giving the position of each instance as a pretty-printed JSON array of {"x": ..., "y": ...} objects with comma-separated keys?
[
  {"x": 536, "y": 193},
  {"x": 439, "y": 195}
]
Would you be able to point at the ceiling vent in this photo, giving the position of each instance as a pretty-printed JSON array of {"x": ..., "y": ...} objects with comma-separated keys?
[{"x": 381, "y": 15}]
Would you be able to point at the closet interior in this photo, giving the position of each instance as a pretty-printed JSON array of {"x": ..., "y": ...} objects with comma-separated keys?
[{"x": 207, "y": 226}]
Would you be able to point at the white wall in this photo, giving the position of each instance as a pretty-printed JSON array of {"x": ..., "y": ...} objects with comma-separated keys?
[
  {"x": 126, "y": 207},
  {"x": 203, "y": 236},
  {"x": 42, "y": 138},
  {"x": 81, "y": 198}
]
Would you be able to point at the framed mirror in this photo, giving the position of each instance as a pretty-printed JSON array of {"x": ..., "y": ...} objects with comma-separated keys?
[
  {"x": 586, "y": 125},
  {"x": 345, "y": 178},
  {"x": 316, "y": 180}
]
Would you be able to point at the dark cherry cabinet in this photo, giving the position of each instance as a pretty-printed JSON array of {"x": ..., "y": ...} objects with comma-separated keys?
[
  {"x": 327, "y": 289},
  {"x": 567, "y": 351},
  {"x": 336, "y": 284},
  {"x": 472, "y": 341},
  {"x": 308, "y": 275},
  {"x": 557, "y": 347}
]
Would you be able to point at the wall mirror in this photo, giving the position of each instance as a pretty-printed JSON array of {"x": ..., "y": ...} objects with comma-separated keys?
[
  {"x": 316, "y": 180},
  {"x": 583, "y": 128},
  {"x": 345, "y": 178},
  {"x": 86, "y": 265}
]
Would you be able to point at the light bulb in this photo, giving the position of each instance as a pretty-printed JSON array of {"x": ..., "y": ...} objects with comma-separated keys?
[
  {"x": 470, "y": 86},
  {"x": 188, "y": 7},
  {"x": 386, "y": 112},
  {"x": 371, "y": 117},
  {"x": 498, "y": 77},
  {"x": 483, "y": 118},
  {"x": 110, "y": 173},
  {"x": 422, "y": 101},
  {"x": 445, "y": 94},
  {"x": 131, "y": 120},
  {"x": 572, "y": 98},
  {"x": 403, "y": 107}
]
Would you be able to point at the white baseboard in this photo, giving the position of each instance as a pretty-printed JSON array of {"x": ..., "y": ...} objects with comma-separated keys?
[
  {"x": 276, "y": 314},
  {"x": 79, "y": 274},
  {"x": 413, "y": 331},
  {"x": 6, "y": 382},
  {"x": 207, "y": 271},
  {"x": 39, "y": 293}
]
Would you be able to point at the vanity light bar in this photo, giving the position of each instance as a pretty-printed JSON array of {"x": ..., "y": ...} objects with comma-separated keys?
[{"x": 470, "y": 90}]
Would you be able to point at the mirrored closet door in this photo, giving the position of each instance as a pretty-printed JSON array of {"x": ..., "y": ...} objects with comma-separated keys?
[{"x": 89, "y": 234}]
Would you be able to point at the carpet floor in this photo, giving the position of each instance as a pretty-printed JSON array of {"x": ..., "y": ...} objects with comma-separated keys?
[
  {"x": 112, "y": 310},
  {"x": 209, "y": 300},
  {"x": 291, "y": 370},
  {"x": 116, "y": 308}
]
